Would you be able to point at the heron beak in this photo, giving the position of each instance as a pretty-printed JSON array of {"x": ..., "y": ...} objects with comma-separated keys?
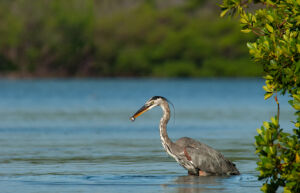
[{"x": 139, "y": 112}]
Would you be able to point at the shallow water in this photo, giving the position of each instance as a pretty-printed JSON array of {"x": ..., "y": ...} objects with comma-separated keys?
[{"x": 75, "y": 135}]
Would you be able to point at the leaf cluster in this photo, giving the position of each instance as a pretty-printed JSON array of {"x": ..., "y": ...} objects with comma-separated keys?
[{"x": 276, "y": 25}]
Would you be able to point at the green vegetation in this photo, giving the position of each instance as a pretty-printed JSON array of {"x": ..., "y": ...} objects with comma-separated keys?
[
  {"x": 121, "y": 38},
  {"x": 277, "y": 48}
]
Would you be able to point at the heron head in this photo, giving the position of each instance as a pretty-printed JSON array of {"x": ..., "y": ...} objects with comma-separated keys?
[{"x": 152, "y": 102}]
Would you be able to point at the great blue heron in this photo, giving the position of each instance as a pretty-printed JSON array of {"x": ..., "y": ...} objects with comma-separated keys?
[{"x": 198, "y": 158}]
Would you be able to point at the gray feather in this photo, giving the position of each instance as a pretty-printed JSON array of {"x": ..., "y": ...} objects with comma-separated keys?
[{"x": 207, "y": 159}]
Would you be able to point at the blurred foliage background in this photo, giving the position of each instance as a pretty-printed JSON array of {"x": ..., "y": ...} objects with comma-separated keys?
[{"x": 109, "y": 38}]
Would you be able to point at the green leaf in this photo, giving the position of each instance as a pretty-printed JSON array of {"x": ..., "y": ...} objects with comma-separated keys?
[
  {"x": 286, "y": 190},
  {"x": 296, "y": 105},
  {"x": 246, "y": 30},
  {"x": 268, "y": 89},
  {"x": 268, "y": 95},
  {"x": 270, "y": 18},
  {"x": 259, "y": 131},
  {"x": 298, "y": 48},
  {"x": 274, "y": 121},
  {"x": 251, "y": 45},
  {"x": 266, "y": 43},
  {"x": 273, "y": 62},
  {"x": 269, "y": 28},
  {"x": 296, "y": 97},
  {"x": 223, "y": 13},
  {"x": 266, "y": 124},
  {"x": 243, "y": 20},
  {"x": 268, "y": 77},
  {"x": 264, "y": 188}
]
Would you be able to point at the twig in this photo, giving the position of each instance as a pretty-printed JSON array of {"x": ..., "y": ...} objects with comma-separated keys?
[
  {"x": 258, "y": 33},
  {"x": 278, "y": 108},
  {"x": 280, "y": 25}
]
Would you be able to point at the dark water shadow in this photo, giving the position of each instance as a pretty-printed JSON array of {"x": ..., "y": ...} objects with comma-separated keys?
[{"x": 193, "y": 184}]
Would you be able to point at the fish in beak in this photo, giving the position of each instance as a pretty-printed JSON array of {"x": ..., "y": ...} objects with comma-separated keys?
[{"x": 140, "y": 112}]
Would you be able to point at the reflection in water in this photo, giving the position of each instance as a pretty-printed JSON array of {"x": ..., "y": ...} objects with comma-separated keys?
[
  {"x": 213, "y": 184},
  {"x": 191, "y": 184},
  {"x": 196, "y": 180}
]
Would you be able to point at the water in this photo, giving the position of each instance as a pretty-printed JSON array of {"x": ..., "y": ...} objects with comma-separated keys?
[{"x": 76, "y": 136}]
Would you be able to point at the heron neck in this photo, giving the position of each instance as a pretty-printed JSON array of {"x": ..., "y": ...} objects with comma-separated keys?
[{"x": 163, "y": 125}]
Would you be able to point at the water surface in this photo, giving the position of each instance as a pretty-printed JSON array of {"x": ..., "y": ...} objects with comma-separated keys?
[{"x": 75, "y": 135}]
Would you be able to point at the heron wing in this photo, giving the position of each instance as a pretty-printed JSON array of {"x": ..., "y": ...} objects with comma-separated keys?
[{"x": 206, "y": 158}]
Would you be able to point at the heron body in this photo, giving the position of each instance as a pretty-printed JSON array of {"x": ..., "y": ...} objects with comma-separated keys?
[{"x": 198, "y": 158}]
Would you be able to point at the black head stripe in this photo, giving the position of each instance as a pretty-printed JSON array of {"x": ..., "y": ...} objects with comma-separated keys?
[{"x": 158, "y": 97}]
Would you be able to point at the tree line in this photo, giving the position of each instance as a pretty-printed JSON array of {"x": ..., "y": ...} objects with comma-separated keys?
[{"x": 121, "y": 38}]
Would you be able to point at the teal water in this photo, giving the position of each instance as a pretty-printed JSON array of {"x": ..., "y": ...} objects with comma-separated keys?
[{"x": 75, "y": 135}]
